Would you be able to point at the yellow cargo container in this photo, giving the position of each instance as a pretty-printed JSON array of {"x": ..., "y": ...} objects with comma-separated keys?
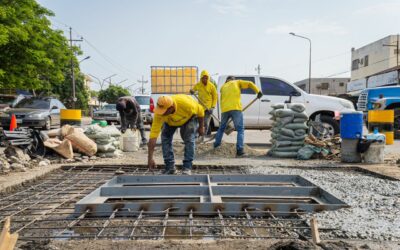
[
  {"x": 381, "y": 116},
  {"x": 173, "y": 79}
]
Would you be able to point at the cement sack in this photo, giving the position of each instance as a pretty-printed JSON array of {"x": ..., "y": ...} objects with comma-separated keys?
[
  {"x": 116, "y": 153},
  {"x": 82, "y": 143},
  {"x": 64, "y": 148},
  {"x": 278, "y": 106},
  {"x": 272, "y": 112},
  {"x": 66, "y": 130},
  {"x": 281, "y": 143},
  {"x": 54, "y": 132},
  {"x": 298, "y": 107},
  {"x": 96, "y": 132},
  {"x": 287, "y": 149},
  {"x": 298, "y": 143},
  {"x": 287, "y": 132},
  {"x": 289, "y": 112},
  {"x": 106, "y": 148},
  {"x": 104, "y": 141},
  {"x": 296, "y": 126},
  {"x": 282, "y": 154}
]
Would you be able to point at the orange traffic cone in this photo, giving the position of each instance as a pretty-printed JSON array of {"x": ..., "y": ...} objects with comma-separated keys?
[{"x": 13, "y": 124}]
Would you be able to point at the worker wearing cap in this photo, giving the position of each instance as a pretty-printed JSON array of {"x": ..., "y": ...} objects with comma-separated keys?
[
  {"x": 129, "y": 112},
  {"x": 208, "y": 97},
  {"x": 231, "y": 108},
  {"x": 170, "y": 113}
]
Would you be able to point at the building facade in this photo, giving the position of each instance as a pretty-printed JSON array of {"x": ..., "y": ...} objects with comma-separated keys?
[
  {"x": 325, "y": 86},
  {"x": 375, "y": 64}
]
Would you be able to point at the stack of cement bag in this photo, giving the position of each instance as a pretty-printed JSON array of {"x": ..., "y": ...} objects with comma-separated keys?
[
  {"x": 289, "y": 129},
  {"x": 106, "y": 138}
]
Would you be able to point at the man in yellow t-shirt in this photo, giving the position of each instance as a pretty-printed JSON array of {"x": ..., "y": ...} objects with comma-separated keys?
[
  {"x": 231, "y": 108},
  {"x": 172, "y": 112},
  {"x": 207, "y": 94}
]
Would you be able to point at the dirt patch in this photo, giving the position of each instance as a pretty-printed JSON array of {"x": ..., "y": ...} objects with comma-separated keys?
[
  {"x": 207, "y": 150},
  {"x": 292, "y": 245}
]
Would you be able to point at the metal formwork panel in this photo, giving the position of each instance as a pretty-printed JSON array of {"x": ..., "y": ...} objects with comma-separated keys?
[{"x": 206, "y": 194}]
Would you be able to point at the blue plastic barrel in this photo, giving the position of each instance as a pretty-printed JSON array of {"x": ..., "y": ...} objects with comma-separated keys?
[{"x": 351, "y": 125}]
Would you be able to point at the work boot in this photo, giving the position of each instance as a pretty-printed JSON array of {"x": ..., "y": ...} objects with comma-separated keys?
[
  {"x": 240, "y": 154},
  {"x": 186, "y": 171},
  {"x": 169, "y": 171},
  {"x": 143, "y": 143}
]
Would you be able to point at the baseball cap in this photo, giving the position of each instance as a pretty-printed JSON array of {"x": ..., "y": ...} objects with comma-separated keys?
[{"x": 163, "y": 103}]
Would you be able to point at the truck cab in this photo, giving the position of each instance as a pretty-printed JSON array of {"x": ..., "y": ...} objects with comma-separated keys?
[
  {"x": 276, "y": 90},
  {"x": 382, "y": 98}
]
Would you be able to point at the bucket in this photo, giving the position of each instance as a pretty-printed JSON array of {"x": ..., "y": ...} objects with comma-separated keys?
[
  {"x": 349, "y": 152},
  {"x": 389, "y": 137},
  {"x": 375, "y": 153},
  {"x": 351, "y": 125},
  {"x": 130, "y": 141},
  {"x": 71, "y": 117}
]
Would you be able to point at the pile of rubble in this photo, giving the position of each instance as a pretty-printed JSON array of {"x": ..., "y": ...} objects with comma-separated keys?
[
  {"x": 314, "y": 148},
  {"x": 14, "y": 159}
]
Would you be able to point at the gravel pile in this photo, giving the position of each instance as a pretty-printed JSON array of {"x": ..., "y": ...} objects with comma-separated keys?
[{"x": 375, "y": 203}]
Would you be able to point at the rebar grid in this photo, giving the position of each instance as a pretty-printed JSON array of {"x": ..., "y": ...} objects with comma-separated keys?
[{"x": 45, "y": 209}]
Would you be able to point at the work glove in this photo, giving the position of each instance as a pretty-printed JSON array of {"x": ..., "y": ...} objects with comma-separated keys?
[
  {"x": 123, "y": 130},
  {"x": 210, "y": 111},
  {"x": 259, "y": 95},
  {"x": 191, "y": 91}
]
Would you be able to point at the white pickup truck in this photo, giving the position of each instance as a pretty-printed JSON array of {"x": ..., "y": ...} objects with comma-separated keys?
[{"x": 276, "y": 90}]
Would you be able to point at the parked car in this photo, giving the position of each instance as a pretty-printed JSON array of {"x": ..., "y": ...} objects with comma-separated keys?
[
  {"x": 145, "y": 107},
  {"x": 108, "y": 113},
  {"x": 43, "y": 112},
  {"x": 381, "y": 98},
  {"x": 9, "y": 101}
]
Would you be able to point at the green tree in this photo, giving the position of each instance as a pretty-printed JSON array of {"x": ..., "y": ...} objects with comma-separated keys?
[
  {"x": 33, "y": 56},
  {"x": 94, "y": 93},
  {"x": 112, "y": 93}
]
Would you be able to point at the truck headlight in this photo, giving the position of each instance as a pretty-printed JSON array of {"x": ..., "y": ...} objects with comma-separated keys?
[{"x": 347, "y": 104}]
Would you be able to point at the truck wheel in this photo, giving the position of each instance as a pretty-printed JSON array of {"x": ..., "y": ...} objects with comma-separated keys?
[{"x": 330, "y": 127}]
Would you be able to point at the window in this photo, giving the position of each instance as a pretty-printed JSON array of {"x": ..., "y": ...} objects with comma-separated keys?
[
  {"x": 272, "y": 86},
  {"x": 366, "y": 61},
  {"x": 396, "y": 51},
  {"x": 246, "y": 91},
  {"x": 341, "y": 84},
  {"x": 32, "y": 103},
  {"x": 354, "y": 64}
]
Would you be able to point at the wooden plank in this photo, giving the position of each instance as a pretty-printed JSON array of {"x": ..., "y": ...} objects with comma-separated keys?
[{"x": 314, "y": 231}]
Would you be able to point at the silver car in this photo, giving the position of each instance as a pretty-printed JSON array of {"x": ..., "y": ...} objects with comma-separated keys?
[
  {"x": 144, "y": 102},
  {"x": 108, "y": 113},
  {"x": 43, "y": 112}
]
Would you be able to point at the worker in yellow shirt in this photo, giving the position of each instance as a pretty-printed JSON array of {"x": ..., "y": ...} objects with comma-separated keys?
[
  {"x": 231, "y": 108},
  {"x": 172, "y": 112},
  {"x": 207, "y": 94}
]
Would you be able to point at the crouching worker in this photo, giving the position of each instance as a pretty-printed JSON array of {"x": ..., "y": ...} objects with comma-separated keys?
[
  {"x": 172, "y": 112},
  {"x": 129, "y": 112}
]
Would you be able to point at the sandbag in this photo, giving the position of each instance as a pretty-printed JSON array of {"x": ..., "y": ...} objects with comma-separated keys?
[
  {"x": 285, "y": 120},
  {"x": 298, "y": 107},
  {"x": 300, "y": 132},
  {"x": 104, "y": 141},
  {"x": 287, "y": 138},
  {"x": 82, "y": 143},
  {"x": 282, "y": 154},
  {"x": 278, "y": 106},
  {"x": 106, "y": 148},
  {"x": 272, "y": 112},
  {"x": 306, "y": 152},
  {"x": 289, "y": 112},
  {"x": 64, "y": 148},
  {"x": 287, "y": 132},
  {"x": 282, "y": 143},
  {"x": 295, "y": 126},
  {"x": 54, "y": 132},
  {"x": 298, "y": 143},
  {"x": 288, "y": 149},
  {"x": 299, "y": 120}
]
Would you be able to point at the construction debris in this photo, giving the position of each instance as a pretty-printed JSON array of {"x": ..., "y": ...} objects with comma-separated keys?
[{"x": 328, "y": 149}]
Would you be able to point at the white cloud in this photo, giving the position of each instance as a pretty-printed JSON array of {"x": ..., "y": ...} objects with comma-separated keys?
[
  {"x": 308, "y": 27},
  {"x": 237, "y": 7},
  {"x": 380, "y": 9}
]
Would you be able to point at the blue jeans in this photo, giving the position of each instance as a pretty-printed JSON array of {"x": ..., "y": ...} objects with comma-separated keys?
[
  {"x": 237, "y": 117},
  {"x": 188, "y": 135}
]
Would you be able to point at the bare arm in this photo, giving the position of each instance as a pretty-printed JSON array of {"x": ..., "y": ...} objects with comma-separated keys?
[
  {"x": 150, "y": 148},
  {"x": 201, "y": 126}
]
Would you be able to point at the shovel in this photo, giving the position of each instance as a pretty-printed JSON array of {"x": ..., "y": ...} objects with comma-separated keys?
[
  {"x": 230, "y": 121},
  {"x": 229, "y": 127}
]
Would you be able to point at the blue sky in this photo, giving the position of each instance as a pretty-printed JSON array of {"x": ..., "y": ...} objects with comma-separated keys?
[{"x": 126, "y": 37}]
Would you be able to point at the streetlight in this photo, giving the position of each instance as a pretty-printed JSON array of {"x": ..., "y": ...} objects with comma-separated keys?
[
  {"x": 84, "y": 59},
  {"x": 309, "y": 64}
]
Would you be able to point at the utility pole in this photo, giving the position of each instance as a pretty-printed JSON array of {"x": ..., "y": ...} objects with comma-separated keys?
[
  {"x": 397, "y": 56},
  {"x": 143, "y": 82},
  {"x": 72, "y": 66},
  {"x": 258, "y": 68}
]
